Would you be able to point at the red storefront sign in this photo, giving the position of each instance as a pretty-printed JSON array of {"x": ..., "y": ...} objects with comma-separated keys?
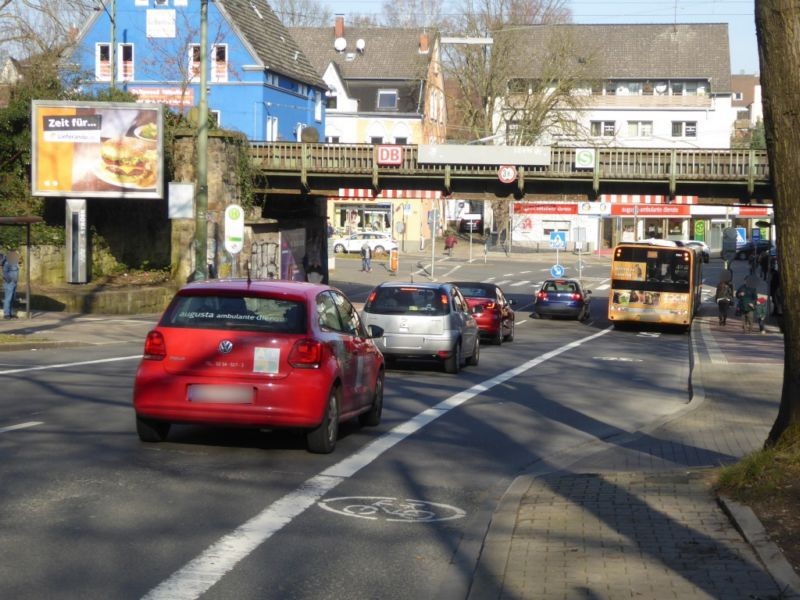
[
  {"x": 540, "y": 208},
  {"x": 650, "y": 210},
  {"x": 753, "y": 211}
]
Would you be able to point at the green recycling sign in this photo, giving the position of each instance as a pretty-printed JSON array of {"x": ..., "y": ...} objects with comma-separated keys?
[{"x": 700, "y": 230}]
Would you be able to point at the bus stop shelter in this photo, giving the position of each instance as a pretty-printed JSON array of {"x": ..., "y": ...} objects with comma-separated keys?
[{"x": 25, "y": 222}]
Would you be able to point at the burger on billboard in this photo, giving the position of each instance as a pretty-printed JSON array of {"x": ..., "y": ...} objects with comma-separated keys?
[{"x": 97, "y": 149}]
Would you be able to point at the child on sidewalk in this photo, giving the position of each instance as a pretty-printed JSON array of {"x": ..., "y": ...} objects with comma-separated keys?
[{"x": 761, "y": 314}]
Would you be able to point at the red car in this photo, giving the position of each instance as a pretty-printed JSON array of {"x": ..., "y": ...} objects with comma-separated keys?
[
  {"x": 259, "y": 354},
  {"x": 494, "y": 314}
]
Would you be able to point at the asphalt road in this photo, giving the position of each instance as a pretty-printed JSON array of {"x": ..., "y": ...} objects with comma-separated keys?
[{"x": 398, "y": 511}]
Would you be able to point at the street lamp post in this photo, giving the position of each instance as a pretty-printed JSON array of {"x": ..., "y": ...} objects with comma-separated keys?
[{"x": 201, "y": 200}]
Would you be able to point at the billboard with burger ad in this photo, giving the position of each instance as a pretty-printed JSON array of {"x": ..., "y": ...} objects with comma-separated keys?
[{"x": 97, "y": 149}]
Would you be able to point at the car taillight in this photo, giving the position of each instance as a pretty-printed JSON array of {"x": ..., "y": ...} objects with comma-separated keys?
[
  {"x": 306, "y": 354},
  {"x": 542, "y": 295},
  {"x": 490, "y": 306},
  {"x": 576, "y": 296},
  {"x": 154, "y": 346}
]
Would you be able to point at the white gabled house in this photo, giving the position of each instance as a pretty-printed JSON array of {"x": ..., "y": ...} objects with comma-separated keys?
[
  {"x": 653, "y": 86},
  {"x": 385, "y": 87}
]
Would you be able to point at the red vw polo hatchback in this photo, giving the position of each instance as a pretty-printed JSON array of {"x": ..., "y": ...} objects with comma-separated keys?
[{"x": 259, "y": 354}]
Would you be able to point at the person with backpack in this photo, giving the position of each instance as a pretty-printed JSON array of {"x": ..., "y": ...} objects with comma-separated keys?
[
  {"x": 10, "y": 279},
  {"x": 724, "y": 299}
]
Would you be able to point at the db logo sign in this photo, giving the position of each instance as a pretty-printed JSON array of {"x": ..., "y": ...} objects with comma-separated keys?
[
  {"x": 390, "y": 156},
  {"x": 507, "y": 173}
]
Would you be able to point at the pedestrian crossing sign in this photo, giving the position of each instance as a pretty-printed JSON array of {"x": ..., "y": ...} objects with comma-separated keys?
[{"x": 558, "y": 240}]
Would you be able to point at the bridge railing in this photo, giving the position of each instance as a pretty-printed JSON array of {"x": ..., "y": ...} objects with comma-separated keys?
[{"x": 613, "y": 163}]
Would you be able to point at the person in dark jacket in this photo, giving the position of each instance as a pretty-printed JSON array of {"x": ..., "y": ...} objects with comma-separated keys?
[
  {"x": 10, "y": 279},
  {"x": 747, "y": 296}
]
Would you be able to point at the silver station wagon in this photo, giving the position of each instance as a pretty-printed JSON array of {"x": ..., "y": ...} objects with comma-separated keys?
[{"x": 424, "y": 320}]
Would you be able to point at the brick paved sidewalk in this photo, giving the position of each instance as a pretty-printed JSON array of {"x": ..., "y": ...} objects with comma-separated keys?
[{"x": 637, "y": 518}]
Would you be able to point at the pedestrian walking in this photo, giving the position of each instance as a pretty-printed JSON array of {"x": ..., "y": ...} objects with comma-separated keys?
[
  {"x": 747, "y": 297},
  {"x": 724, "y": 299},
  {"x": 763, "y": 263},
  {"x": 449, "y": 242},
  {"x": 761, "y": 314},
  {"x": 366, "y": 258},
  {"x": 10, "y": 279}
]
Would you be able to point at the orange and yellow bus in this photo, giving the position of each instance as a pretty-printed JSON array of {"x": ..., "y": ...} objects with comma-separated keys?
[{"x": 655, "y": 281}]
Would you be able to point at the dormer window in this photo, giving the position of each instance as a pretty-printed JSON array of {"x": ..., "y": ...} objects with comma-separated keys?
[{"x": 387, "y": 99}]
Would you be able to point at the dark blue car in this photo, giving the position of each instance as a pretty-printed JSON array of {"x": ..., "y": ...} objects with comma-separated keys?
[{"x": 562, "y": 298}]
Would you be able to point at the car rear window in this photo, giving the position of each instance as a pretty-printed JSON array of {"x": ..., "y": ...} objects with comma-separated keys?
[
  {"x": 475, "y": 292},
  {"x": 560, "y": 286},
  {"x": 406, "y": 301},
  {"x": 274, "y": 315}
]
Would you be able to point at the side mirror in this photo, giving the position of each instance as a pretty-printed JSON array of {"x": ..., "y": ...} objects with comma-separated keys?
[
  {"x": 511, "y": 302},
  {"x": 375, "y": 331}
]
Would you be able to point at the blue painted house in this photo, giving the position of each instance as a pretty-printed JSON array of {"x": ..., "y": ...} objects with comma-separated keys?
[{"x": 259, "y": 81}]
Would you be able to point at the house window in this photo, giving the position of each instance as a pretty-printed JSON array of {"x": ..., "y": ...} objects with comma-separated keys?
[
  {"x": 318, "y": 107},
  {"x": 611, "y": 88},
  {"x": 684, "y": 129},
  {"x": 603, "y": 128},
  {"x": 126, "y": 62},
  {"x": 738, "y": 96},
  {"x": 690, "y": 88},
  {"x": 566, "y": 129},
  {"x": 272, "y": 129},
  {"x": 387, "y": 99},
  {"x": 331, "y": 102},
  {"x": 375, "y": 140},
  {"x": 401, "y": 140},
  {"x": 161, "y": 2},
  {"x": 332, "y": 139},
  {"x": 647, "y": 88},
  {"x": 677, "y": 88},
  {"x": 102, "y": 62},
  {"x": 216, "y": 117},
  {"x": 640, "y": 128},
  {"x": 194, "y": 62},
  {"x": 219, "y": 71}
]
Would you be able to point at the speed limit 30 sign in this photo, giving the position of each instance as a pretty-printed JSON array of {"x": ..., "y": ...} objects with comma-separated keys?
[{"x": 507, "y": 173}]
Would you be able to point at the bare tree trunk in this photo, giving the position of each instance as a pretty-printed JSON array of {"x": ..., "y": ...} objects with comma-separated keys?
[{"x": 778, "y": 30}]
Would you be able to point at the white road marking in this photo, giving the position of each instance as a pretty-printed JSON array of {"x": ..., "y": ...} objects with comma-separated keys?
[
  {"x": 604, "y": 286},
  {"x": 20, "y": 426},
  {"x": 716, "y": 355},
  {"x": 519, "y": 283},
  {"x": 67, "y": 365},
  {"x": 508, "y": 274},
  {"x": 503, "y": 282},
  {"x": 490, "y": 279},
  {"x": 205, "y": 570},
  {"x": 520, "y": 322},
  {"x": 524, "y": 272}
]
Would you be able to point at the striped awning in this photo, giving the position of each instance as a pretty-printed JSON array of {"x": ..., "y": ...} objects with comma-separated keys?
[
  {"x": 368, "y": 194},
  {"x": 646, "y": 199}
]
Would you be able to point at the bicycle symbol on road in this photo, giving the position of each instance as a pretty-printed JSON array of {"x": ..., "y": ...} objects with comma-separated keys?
[{"x": 391, "y": 509}]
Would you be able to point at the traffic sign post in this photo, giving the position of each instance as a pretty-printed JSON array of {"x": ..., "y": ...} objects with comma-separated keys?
[
  {"x": 558, "y": 241},
  {"x": 557, "y": 270}
]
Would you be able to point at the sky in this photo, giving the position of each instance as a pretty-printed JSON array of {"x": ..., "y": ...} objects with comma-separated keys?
[{"x": 737, "y": 13}]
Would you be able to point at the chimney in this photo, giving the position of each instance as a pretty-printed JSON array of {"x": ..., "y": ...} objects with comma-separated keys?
[
  {"x": 338, "y": 30},
  {"x": 423, "y": 43}
]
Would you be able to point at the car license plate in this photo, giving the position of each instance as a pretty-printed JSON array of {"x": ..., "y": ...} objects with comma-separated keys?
[{"x": 222, "y": 394}]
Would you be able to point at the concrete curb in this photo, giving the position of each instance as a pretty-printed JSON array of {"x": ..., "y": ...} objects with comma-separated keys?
[{"x": 751, "y": 528}]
